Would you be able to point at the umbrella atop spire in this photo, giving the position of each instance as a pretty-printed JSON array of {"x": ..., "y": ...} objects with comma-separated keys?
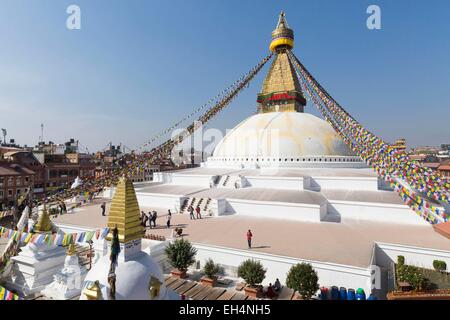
[{"x": 282, "y": 36}]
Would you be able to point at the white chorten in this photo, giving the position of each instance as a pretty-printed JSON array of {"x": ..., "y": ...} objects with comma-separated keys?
[
  {"x": 67, "y": 282},
  {"x": 36, "y": 264},
  {"x": 138, "y": 276}
]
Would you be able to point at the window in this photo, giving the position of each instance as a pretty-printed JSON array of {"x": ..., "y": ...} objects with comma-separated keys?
[
  {"x": 1, "y": 194},
  {"x": 17, "y": 191},
  {"x": 1, "y": 181},
  {"x": 18, "y": 181},
  {"x": 10, "y": 181},
  {"x": 27, "y": 179},
  {"x": 10, "y": 193}
]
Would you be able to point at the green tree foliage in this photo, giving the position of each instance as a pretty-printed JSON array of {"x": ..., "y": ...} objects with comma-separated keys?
[
  {"x": 252, "y": 272},
  {"x": 181, "y": 254},
  {"x": 303, "y": 279}
]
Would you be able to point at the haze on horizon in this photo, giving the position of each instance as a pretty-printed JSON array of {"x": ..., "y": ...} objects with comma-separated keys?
[{"x": 136, "y": 67}]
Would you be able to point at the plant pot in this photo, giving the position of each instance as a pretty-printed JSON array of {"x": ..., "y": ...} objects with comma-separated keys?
[
  {"x": 178, "y": 274},
  {"x": 208, "y": 281},
  {"x": 254, "y": 292}
]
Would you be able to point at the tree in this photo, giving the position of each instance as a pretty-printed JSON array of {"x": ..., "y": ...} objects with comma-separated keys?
[
  {"x": 181, "y": 254},
  {"x": 303, "y": 279},
  {"x": 252, "y": 272},
  {"x": 439, "y": 265},
  {"x": 413, "y": 275},
  {"x": 211, "y": 269}
]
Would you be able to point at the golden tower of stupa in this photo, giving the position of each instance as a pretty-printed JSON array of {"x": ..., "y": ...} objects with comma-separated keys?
[
  {"x": 124, "y": 213},
  {"x": 281, "y": 91}
]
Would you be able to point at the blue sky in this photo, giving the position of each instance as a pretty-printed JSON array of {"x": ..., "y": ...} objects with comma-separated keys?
[{"x": 137, "y": 66}]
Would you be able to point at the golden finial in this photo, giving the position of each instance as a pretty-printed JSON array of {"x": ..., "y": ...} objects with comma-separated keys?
[
  {"x": 93, "y": 291},
  {"x": 71, "y": 250},
  {"x": 43, "y": 224},
  {"x": 154, "y": 287},
  {"x": 282, "y": 36}
]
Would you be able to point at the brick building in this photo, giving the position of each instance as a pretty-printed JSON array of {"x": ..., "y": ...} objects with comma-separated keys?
[{"x": 14, "y": 181}]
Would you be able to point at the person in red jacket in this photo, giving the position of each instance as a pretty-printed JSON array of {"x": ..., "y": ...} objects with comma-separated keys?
[{"x": 249, "y": 238}]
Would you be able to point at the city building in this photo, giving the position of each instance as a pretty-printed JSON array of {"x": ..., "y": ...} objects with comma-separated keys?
[{"x": 15, "y": 180}]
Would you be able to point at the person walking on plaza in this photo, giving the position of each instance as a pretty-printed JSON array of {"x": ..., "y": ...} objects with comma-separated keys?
[
  {"x": 191, "y": 213},
  {"x": 169, "y": 216},
  {"x": 103, "y": 206},
  {"x": 249, "y": 238},
  {"x": 199, "y": 216}
]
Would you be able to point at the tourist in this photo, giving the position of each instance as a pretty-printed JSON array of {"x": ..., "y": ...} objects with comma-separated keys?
[
  {"x": 169, "y": 216},
  {"x": 142, "y": 216},
  {"x": 199, "y": 216},
  {"x": 277, "y": 285},
  {"x": 154, "y": 216},
  {"x": 270, "y": 292},
  {"x": 249, "y": 238},
  {"x": 148, "y": 217},
  {"x": 191, "y": 213},
  {"x": 103, "y": 206}
]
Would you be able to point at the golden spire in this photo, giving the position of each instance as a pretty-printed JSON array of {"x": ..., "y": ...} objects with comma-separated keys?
[
  {"x": 43, "y": 224},
  {"x": 281, "y": 90},
  {"x": 282, "y": 36},
  {"x": 124, "y": 213},
  {"x": 71, "y": 250}
]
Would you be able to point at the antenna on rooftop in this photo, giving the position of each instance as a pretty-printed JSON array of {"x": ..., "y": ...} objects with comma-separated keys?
[
  {"x": 4, "y": 135},
  {"x": 42, "y": 132}
]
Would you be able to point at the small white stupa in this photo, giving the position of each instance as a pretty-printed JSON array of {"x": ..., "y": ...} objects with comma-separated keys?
[
  {"x": 135, "y": 276},
  {"x": 35, "y": 265},
  {"x": 67, "y": 282},
  {"x": 76, "y": 183}
]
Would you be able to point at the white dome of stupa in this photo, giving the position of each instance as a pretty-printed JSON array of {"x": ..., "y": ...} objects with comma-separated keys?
[{"x": 281, "y": 134}]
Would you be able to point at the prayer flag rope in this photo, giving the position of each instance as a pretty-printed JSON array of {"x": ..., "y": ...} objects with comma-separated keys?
[
  {"x": 7, "y": 295},
  {"x": 395, "y": 168}
]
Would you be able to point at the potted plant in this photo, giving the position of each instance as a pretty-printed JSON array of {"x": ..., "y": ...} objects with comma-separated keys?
[
  {"x": 303, "y": 279},
  {"x": 440, "y": 266},
  {"x": 253, "y": 273},
  {"x": 210, "y": 270},
  {"x": 181, "y": 255}
]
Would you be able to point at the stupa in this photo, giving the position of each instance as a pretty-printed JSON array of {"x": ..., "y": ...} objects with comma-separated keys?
[
  {"x": 67, "y": 282},
  {"x": 137, "y": 275},
  {"x": 36, "y": 264}
]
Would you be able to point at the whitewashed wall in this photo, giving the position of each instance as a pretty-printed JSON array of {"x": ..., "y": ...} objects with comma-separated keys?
[
  {"x": 293, "y": 183},
  {"x": 275, "y": 210},
  {"x": 352, "y": 210},
  {"x": 278, "y": 266},
  {"x": 346, "y": 183},
  {"x": 150, "y": 200},
  {"x": 190, "y": 179},
  {"x": 416, "y": 256}
]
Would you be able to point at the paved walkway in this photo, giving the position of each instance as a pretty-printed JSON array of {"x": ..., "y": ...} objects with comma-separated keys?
[{"x": 342, "y": 243}]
